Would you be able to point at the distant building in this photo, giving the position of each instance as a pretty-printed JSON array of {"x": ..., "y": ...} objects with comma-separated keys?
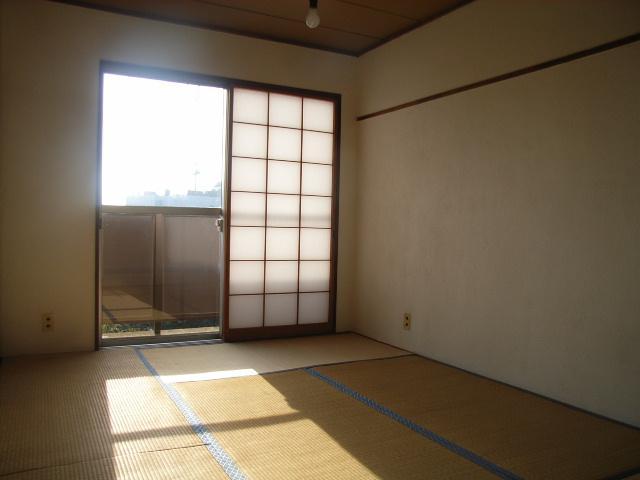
[{"x": 208, "y": 199}]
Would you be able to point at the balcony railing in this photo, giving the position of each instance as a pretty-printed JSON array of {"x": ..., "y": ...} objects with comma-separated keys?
[{"x": 160, "y": 273}]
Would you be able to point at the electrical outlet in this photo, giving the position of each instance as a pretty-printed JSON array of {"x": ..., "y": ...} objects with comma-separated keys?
[
  {"x": 406, "y": 321},
  {"x": 47, "y": 322}
]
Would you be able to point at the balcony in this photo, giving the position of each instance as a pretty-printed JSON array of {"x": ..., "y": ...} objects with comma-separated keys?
[{"x": 160, "y": 274}]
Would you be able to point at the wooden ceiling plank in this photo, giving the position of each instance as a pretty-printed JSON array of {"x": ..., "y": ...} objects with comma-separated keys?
[
  {"x": 334, "y": 14},
  {"x": 454, "y": 5},
  {"x": 350, "y": 27},
  {"x": 417, "y": 10},
  {"x": 383, "y": 7},
  {"x": 235, "y": 22}
]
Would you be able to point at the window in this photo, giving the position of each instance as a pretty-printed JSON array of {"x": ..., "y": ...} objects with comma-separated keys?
[{"x": 163, "y": 143}]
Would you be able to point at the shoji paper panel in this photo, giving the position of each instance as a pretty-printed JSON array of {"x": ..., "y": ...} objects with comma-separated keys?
[
  {"x": 313, "y": 308},
  {"x": 284, "y": 144},
  {"x": 316, "y": 179},
  {"x": 245, "y": 311},
  {"x": 285, "y": 110},
  {"x": 315, "y": 212},
  {"x": 246, "y": 277},
  {"x": 315, "y": 244},
  {"x": 282, "y": 243},
  {"x": 250, "y": 106},
  {"x": 281, "y": 309},
  {"x": 318, "y": 115},
  {"x": 317, "y": 147},
  {"x": 314, "y": 276},
  {"x": 281, "y": 277},
  {"x": 247, "y": 208},
  {"x": 246, "y": 243},
  {"x": 284, "y": 177},
  {"x": 283, "y": 210},
  {"x": 280, "y": 209},
  {"x": 249, "y": 141},
  {"x": 249, "y": 175}
]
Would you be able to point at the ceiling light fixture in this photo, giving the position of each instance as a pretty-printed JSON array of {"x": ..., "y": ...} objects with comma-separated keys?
[{"x": 313, "y": 19}]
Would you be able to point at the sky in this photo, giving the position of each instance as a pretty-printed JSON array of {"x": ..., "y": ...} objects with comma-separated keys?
[{"x": 157, "y": 134}]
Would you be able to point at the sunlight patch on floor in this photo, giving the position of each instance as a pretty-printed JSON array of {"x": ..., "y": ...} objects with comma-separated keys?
[{"x": 198, "y": 377}]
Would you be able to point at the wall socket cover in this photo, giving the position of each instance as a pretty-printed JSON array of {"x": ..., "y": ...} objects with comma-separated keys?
[
  {"x": 47, "y": 322},
  {"x": 406, "y": 321}
]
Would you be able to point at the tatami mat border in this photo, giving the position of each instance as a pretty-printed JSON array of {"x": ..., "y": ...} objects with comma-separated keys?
[
  {"x": 219, "y": 454},
  {"x": 419, "y": 429}
]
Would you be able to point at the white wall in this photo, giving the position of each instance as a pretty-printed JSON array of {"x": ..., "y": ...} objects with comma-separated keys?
[
  {"x": 486, "y": 38},
  {"x": 49, "y": 86},
  {"x": 507, "y": 219}
]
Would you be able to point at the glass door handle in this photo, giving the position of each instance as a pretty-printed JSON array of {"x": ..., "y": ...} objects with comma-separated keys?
[{"x": 220, "y": 223}]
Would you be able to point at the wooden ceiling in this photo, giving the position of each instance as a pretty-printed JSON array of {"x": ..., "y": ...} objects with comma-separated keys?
[{"x": 352, "y": 27}]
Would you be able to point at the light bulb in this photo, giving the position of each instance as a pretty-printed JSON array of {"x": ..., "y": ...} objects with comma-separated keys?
[{"x": 313, "y": 19}]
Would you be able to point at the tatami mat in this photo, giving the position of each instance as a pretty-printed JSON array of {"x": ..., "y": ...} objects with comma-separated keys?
[
  {"x": 75, "y": 408},
  {"x": 103, "y": 415},
  {"x": 192, "y": 463},
  {"x": 291, "y": 425},
  {"x": 228, "y": 360},
  {"x": 524, "y": 433}
]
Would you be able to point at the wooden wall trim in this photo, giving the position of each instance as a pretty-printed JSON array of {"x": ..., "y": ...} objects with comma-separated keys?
[{"x": 512, "y": 74}]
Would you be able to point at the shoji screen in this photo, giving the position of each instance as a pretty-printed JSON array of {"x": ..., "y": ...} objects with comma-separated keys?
[{"x": 281, "y": 214}]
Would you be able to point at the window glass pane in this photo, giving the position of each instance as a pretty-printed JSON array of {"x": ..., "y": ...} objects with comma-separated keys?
[
  {"x": 282, "y": 243},
  {"x": 314, "y": 308},
  {"x": 284, "y": 177},
  {"x": 316, "y": 212},
  {"x": 246, "y": 277},
  {"x": 249, "y": 106},
  {"x": 317, "y": 147},
  {"x": 190, "y": 266},
  {"x": 318, "y": 115},
  {"x": 127, "y": 275},
  {"x": 280, "y": 309},
  {"x": 249, "y": 141},
  {"x": 283, "y": 210},
  {"x": 248, "y": 174},
  {"x": 314, "y": 276},
  {"x": 316, "y": 179},
  {"x": 163, "y": 143},
  {"x": 285, "y": 110},
  {"x": 315, "y": 244},
  {"x": 247, "y": 209},
  {"x": 281, "y": 277},
  {"x": 245, "y": 311},
  {"x": 246, "y": 243},
  {"x": 284, "y": 144}
]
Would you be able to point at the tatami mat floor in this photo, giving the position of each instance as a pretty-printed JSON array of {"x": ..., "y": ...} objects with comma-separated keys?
[{"x": 216, "y": 411}]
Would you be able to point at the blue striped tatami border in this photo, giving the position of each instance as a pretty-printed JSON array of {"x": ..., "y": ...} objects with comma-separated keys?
[
  {"x": 219, "y": 454},
  {"x": 434, "y": 437}
]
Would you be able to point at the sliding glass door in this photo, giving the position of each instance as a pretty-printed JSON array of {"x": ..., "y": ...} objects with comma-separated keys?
[
  {"x": 282, "y": 214},
  {"x": 162, "y": 169}
]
